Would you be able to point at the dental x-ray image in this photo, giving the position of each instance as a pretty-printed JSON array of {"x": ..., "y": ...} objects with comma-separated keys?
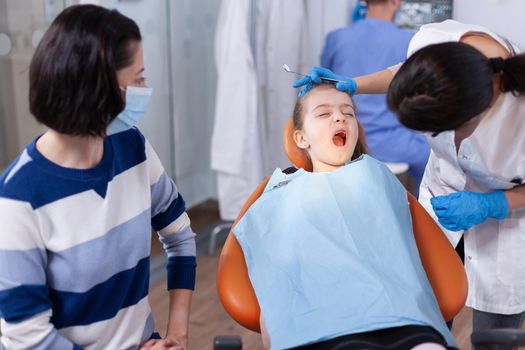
[{"x": 414, "y": 13}]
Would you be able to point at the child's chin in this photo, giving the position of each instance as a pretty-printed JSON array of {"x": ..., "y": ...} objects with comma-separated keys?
[{"x": 342, "y": 161}]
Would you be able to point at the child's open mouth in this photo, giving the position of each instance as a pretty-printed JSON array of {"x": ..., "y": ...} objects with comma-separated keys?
[{"x": 339, "y": 138}]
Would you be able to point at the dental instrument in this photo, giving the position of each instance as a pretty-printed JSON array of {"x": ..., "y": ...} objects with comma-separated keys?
[{"x": 287, "y": 69}]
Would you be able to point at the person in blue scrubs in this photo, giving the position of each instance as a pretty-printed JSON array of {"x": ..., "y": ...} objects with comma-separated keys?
[{"x": 365, "y": 47}]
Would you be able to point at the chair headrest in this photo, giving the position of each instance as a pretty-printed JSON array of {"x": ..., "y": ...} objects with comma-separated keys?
[{"x": 296, "y": 155}]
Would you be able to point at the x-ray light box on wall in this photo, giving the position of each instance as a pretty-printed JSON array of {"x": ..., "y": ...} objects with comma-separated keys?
[{"x": 414, "y": 13}]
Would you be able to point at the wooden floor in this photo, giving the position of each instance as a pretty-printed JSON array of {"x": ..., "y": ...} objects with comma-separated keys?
[{"x": 208, "y": 318}]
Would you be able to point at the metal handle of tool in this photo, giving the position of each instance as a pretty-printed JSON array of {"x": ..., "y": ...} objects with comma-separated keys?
[{"x": 330, "y": 80}]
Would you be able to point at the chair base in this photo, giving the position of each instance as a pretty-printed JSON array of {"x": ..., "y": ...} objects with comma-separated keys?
[
  {"x": 214, "y": 233},
  {"x": 498, "y": 339},
  {"x": 227, "y": 342}
]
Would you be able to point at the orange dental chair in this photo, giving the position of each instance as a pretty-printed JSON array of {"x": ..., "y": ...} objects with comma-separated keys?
[{"x": 442, "y": 265}]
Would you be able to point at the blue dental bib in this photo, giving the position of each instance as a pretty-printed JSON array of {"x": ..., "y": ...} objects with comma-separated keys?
[{"x": 330, "y": 254}]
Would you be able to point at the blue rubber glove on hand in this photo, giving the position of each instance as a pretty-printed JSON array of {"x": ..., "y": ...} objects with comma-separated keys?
[
  {"x": 346, "y": 84},
  {"x": 462, "y": 210},
  {"x": 359, "y": 12}
]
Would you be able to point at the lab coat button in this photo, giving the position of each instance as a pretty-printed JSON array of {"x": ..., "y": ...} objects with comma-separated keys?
[{"x": 469, "y": 257}]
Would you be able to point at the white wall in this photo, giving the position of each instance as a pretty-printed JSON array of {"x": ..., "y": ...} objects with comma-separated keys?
[
  {"x": 193, "y": 79},
  {"x": 20, "y": 20},
  {"x": 178, "y": 39},
  {"x": 505, "y": 17}
]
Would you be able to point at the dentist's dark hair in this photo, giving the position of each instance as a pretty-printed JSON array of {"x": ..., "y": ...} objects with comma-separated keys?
[
  {"x": 73, "y": 73},
  {"x": 442, "y": 86}
]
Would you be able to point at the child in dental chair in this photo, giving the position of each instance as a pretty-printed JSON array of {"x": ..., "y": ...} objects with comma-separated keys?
[{"x": 331, "y": 253}]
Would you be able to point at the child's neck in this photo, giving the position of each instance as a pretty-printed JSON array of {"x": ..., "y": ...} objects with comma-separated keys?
[{"x": 320, "y": 167}]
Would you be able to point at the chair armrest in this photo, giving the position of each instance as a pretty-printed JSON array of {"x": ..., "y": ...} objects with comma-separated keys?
[
  {"x": 233, "y": 283},
  {"x": 443, "y": 267}
]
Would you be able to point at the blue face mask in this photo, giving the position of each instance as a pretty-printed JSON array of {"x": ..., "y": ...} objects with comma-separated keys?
[{"x": 137, "y": 100}]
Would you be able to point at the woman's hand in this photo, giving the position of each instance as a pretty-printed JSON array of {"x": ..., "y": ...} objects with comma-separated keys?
[
  {"x": 176, "y": 343},
  {"x": 359, "y": 12},
  {"x": 168, "y": 343},
  {"x": 316, "y": 76},
  {"x": 154, "y": 344},
  {"x": 463, "y": 210}
]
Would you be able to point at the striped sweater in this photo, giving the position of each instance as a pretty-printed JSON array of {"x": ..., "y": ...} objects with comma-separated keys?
[{"x": 75, "y": 247}]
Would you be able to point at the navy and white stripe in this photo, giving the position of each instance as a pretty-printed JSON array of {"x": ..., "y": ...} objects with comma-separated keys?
[{"x": 75, "y": 245}]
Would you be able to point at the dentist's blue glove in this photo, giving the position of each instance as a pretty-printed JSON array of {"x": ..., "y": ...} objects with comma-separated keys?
[
  {"x": 359, "y": 12},
  {"x": 346, "y": 84},
  {"x": 462, "y": 210}
]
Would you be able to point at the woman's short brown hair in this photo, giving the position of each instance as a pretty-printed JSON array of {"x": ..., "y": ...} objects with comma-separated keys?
[{"x": 73, "y": 74}]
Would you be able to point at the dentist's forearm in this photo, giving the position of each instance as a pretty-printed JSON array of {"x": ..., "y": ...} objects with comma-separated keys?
[
  {"x": 516, "y": 197},
  {"x": 375, "y": 83}
]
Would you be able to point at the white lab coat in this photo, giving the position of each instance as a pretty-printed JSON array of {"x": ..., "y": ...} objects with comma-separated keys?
[
  {"x": 236, "y": 152},
  {"x": 255, "y": 97},
  {"x": 486, "y": 161}
]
